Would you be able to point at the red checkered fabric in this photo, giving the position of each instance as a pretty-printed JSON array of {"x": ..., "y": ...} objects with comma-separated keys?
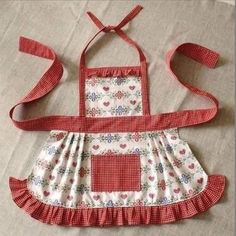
[
  {"x": 115, "y": 173},
  {"x": 117, "y": 215}
]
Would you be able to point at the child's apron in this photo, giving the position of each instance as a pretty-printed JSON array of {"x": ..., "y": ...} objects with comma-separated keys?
[{"x": 114, "y": 163}]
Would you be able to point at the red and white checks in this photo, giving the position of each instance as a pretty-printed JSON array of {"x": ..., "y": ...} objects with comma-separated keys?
[{"x": 115, "y": 173}]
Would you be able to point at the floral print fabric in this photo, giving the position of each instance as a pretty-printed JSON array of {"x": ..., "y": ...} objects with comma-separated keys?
[
  {"x": 113, "y": 96},
  {"x": 169, "y": 171}
]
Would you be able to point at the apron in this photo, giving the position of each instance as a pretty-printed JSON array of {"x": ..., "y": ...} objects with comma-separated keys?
[{"x": 115, "y": 163}]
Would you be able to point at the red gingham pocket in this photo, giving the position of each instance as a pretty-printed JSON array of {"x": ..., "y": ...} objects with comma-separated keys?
[{"x": 116, "y": 173}]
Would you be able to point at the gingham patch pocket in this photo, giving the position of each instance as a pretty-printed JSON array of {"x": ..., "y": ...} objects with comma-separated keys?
[{"x": 116, "y": 173}]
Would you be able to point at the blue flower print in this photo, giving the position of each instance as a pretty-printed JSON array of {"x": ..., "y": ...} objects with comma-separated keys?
[
  {"x": 159, "y": 167},
  {"x": 39, "y": 181},
  {"x": 82, "y": 189},
  {"x": 109, "y": 138},
  {"x": 137, "y": 151},
  {"x": 120, "y": 110},
  {"x": 185, "y": 178},
  {"x": 51, "y": 150},
  {"x": 36, "y": 180},
  {"x": 169, "y": 148},
  {"x": 92, "y": 96},
  {"x": 164, "y": 200},
  {"x": 119, "y": 80},
  {"x": 110, "y": 203},
  {"x": 56, "y": 202}
]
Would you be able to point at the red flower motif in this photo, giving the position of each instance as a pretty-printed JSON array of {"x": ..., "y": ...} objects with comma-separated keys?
[
  {"x": 59, "y": 136},
  {"x": 119, "y": 94},
  {"x": 82, "y": 172},
  {"x": 83, "y": 205},
  {"x": 93, "y": 112},
  {"x": 93, "y": 81},
  {"x": 138, "y": 203},
  {"x": 162, "y": 184},
  {"x": 136, "y": 137},
  {"x": 109, "y": 152},
  {"x": 177, "y": 163}
]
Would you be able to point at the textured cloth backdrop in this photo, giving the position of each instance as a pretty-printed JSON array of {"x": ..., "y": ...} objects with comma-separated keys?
[{"x": 64, "y": 26}]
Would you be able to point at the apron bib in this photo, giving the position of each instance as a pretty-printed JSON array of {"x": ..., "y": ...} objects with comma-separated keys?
[{"x": 115, "y": 163}]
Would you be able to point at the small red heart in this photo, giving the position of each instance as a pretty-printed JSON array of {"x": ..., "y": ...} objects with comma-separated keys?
[
  {"x": 151, "y": 178},
  {"x": 123, "y": 146},
  {"x": 106, "y": 104},
  {"x": 131, "y": 87},
  {"x": 133, "y": 102},
  {"x": 95, "y": 147},
  {"x": 74, "y": 163},
  {"x": 46, "y": 193},
  {"x": 150, "y": 161},
  {"x": 200, "y": 180},
  {"x": 105, "y": 88},
  {"x": 191, "y": 166},
  {"x": 182, "y": 152},
  {"x": 123, "y": 196},
  {"x": 96, "y": 197},
  {"x": 177, "y": 190},
  {"x": 151, "y": 195},
  {"x": 171, "y": 174},
  {"x": 51, "y": 177},
  {"x": 173, "y": 137},
  {"x": 62, "y": 146},
  {"x": 56, "y": 161},
  {"x": 71, "y": 181},
  {"x": 69, "y": 198}
]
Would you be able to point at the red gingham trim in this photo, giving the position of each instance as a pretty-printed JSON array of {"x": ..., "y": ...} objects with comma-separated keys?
[
  {"x": 115, "y": 173},
  {"x": 118, "y": 124},
  {"x": 200, "y": 54},
  {"x": 117, "y": 216},
  {"x": 113, "y": 124},
  {"x": 113, "y": 71}
]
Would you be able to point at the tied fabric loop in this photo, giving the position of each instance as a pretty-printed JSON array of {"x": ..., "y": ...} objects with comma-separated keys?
[{"x": 109, "y": 28}]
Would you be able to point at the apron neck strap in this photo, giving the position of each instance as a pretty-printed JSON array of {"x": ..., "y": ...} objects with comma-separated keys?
[
  {"x": 126, "y": 19},
  {"x": 117, "y": 29}
]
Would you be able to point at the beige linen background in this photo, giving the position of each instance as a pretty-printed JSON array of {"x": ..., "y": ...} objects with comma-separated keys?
[{"x": 64, "y": 26}]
